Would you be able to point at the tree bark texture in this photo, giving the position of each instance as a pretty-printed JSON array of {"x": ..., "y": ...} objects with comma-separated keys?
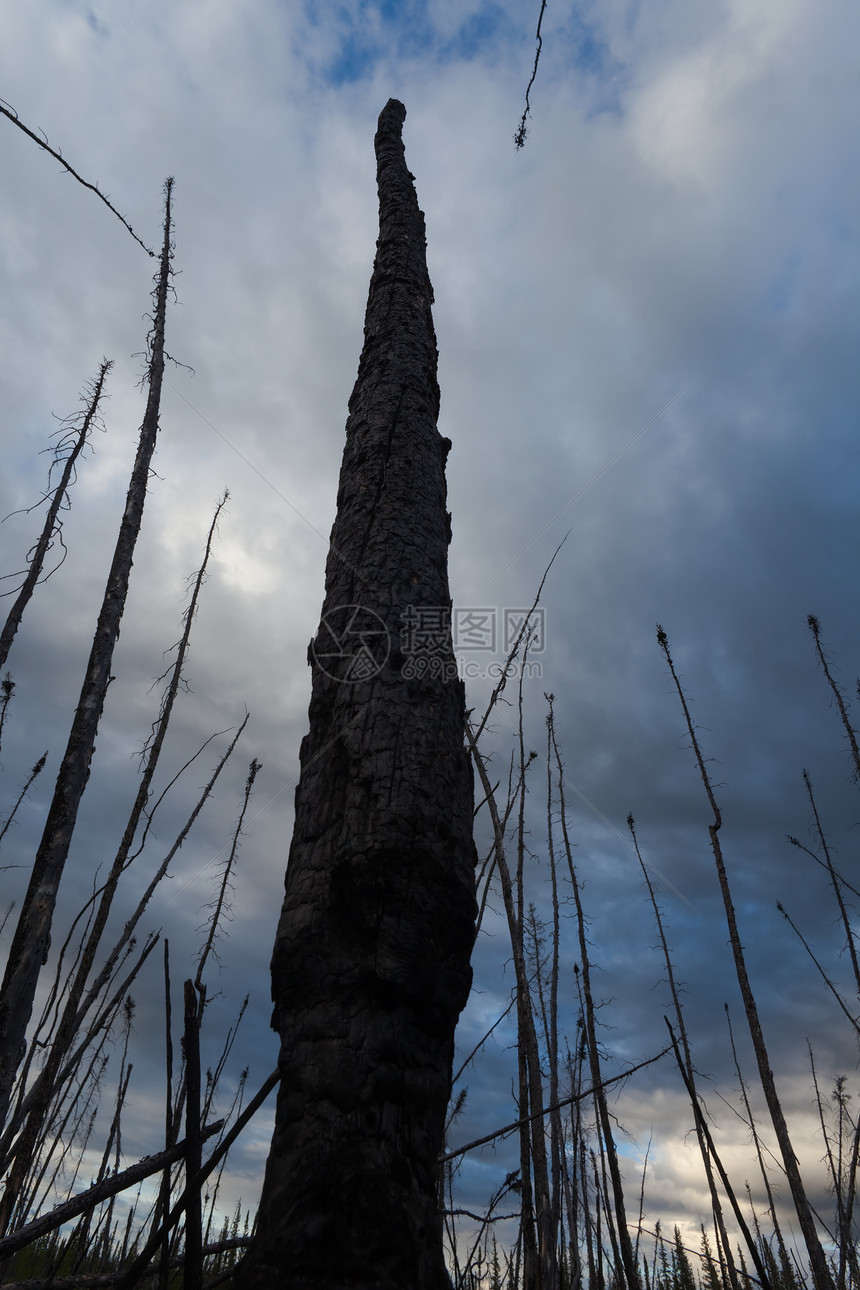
[{"x": 371, "y": 963}]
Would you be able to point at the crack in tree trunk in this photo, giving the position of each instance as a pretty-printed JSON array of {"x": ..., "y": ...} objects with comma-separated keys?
[{"x": 371, "y": 962}]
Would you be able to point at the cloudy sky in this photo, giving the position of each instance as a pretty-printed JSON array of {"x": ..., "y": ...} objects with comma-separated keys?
[{"x": 647, "y": 324}]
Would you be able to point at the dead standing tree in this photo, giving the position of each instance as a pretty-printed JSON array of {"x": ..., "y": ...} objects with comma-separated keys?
[
  {"x": 32, "y": 939},
  {"x": 371, "y": 962}
]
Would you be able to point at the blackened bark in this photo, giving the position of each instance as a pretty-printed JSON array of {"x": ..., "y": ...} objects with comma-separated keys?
[
  {"x": 32, "y": 938},
  {"x": 371, "y": 962}
]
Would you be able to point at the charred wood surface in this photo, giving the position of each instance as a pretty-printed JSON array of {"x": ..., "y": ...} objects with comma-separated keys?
[{"x": 371, "y": 962}]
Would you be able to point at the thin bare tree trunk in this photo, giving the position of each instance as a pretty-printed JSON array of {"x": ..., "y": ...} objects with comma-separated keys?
[
  {"x": 528, "y": 1065},
  {"x": 193, "y": 1279},
  {"x": 835, "y": 879},
  {"x": 821, "y": 1277},
  {"x": 104, "y": 982},
  {"x": 771, "y": 1200},
  {"x": 850, "y": 732},
  {"x": 170, "y": 1126},
  {"x": 626, "y": 1261},
  {"x": 74, "y": 1010},
  {"x": 33, "y": 933},
  {"x": 716, "y": 1206},
  {"x": 547, "y": 1263},
  {"x": 724, "y": 1178},
  {"x": 72, "y": 441},
  {"x": 556, "y": 1131},
  {"x": 371, "y": 962}
]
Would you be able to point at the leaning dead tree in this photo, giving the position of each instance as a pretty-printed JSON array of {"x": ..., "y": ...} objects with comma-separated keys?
[{"x": 371, "y": 962}]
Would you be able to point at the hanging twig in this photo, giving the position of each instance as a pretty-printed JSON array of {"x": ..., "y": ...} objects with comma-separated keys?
[{"x": 522, "y": 131}]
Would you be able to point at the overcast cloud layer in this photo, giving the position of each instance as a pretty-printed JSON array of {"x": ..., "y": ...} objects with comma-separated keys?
[{"x": 675, "y": 248}]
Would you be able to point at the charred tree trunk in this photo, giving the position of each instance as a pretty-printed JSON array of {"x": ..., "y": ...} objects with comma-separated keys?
[
  {"x": 371, "y": 962},
  {"x": 32, "y": 939}
]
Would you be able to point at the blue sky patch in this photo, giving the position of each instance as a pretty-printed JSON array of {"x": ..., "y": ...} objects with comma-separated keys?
[
  {"x": 383, "y": 27},
  {"x": 590, "y": 59}
]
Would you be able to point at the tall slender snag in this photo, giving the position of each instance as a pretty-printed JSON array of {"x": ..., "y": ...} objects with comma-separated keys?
[
  {"x": 193, "y": 1157},
  {"x": 626, "y": 1261},
  {"x": 371, "y": 962},
  {"x": 850, "y": 732},
  {"x": 72, "y": 442},
  {"x": 821, "y": 1277},
  {"x": 556, "y": 1129},
  {"x": 716, "y": 1205},
  {"x": 724, "y": 1178},
  {"x": 170, "y": 1126},
  {"x": 835, "y": 878},
  {"x": 852, "y": 1021},
  {"x": 33, "y": 933},
  {"x": 547, "y": 1272},
  {"x": 80, "y": 998},
  {"x": 40, "y": 1087},
  {"x": 528, "y": 1065},
  {"x": 220, "y": 905}
]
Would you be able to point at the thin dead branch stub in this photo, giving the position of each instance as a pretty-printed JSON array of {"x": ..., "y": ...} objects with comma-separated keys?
[{"x": 9, "y": 112}]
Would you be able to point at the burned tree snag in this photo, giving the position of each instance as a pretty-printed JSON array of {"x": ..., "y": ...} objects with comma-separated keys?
[
  {"x": 32, "y": 939},
  {"x": 371, "y": 962}
]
